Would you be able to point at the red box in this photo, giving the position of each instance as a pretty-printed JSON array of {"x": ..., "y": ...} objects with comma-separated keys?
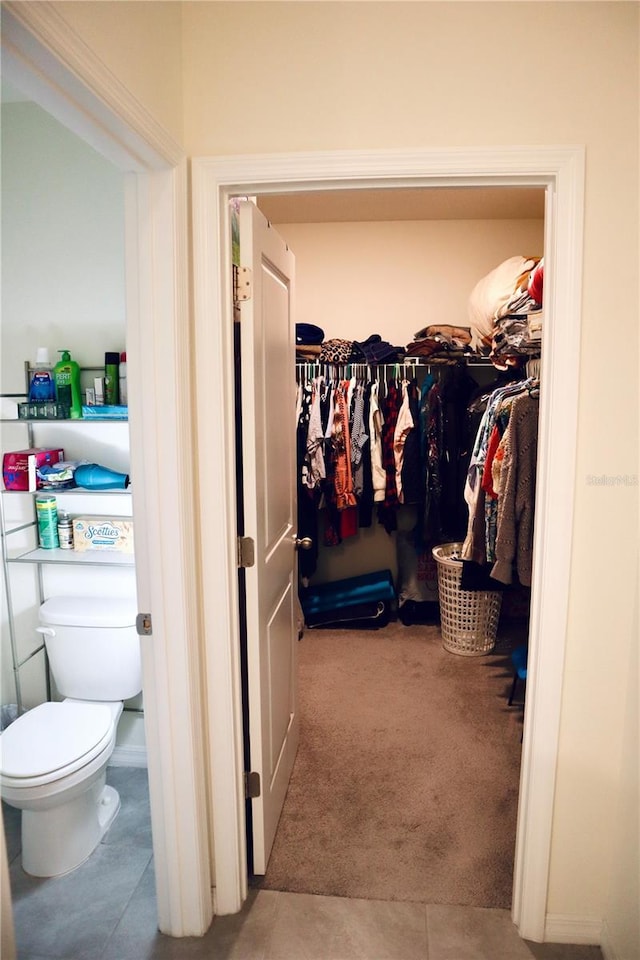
[{"x": 19, "y": 468}]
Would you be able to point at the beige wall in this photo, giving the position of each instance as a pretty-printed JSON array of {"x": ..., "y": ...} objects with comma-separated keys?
[
  {"x": 622, "y": 917},
  {"x": 141, "y": 44},
  {"x": 393, "y": 278},
  {"x": 325, "y": 76},
  {"x": 260, "y": 77}
]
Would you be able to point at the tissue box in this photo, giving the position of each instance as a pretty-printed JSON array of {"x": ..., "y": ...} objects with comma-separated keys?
[
  {"x": 103, "y": 533},
  {"x": 19, "y": 468}
]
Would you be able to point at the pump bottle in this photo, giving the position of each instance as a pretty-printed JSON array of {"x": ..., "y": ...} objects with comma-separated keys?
[
  {"x": 66, "y": 374},
  {"x": 111, "y": 364}
]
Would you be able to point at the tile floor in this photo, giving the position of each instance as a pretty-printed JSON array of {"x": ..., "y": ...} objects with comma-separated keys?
[{"x": 105, "y": 910}]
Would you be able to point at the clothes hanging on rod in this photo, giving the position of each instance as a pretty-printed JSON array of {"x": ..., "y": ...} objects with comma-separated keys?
[
  {"x": 500, "y": 485},
  {"x": 372, "y": 439}
]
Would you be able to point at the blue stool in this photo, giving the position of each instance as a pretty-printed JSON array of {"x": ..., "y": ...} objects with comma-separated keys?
[{"x": 519, "y": 660}]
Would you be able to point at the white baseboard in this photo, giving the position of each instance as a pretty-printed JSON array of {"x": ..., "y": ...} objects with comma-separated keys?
[
  {"x": 569, "y": 929},
  {"x": 128, "y": 757},
  {"x": 608, "y": 951}
]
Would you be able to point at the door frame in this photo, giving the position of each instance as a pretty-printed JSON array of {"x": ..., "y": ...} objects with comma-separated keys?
[
  {"x": 560, "y": 170},
  {"x": 51, "y": 63}
]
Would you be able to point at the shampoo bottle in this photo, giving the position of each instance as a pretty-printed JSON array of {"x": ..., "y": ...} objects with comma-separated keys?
[
  {"x": 122, "y": 379},
  {"x": 66, "y": 374},
  {"x": 111, "y": 364},
  {"x": 42, "y": 386}
]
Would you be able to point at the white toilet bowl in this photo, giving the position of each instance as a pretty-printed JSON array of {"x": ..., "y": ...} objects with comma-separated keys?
[{"x": 53, "y": 767}]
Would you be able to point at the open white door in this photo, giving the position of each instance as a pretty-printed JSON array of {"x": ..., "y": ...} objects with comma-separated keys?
[{"x": 268, "y": 466}]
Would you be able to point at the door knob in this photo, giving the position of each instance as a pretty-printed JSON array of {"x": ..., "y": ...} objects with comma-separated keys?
[{"x": 304, "y": 543}]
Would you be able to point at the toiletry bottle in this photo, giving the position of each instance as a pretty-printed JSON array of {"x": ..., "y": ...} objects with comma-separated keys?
[
  {"x": 42, "y": 386},
  {"x": 47, "y": 516},
  {"x": 111, "y": 363},
  {"x": 98, "y": 391},
  {"x": 122, "y": 379},
  {"x": 65, "y": 530},
  {"x": 66, "y": 374}
]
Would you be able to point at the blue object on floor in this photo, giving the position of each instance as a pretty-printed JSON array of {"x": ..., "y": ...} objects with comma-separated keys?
[
  {"x": 366, "y": 599},
  {"x": 519, "y": 660}
]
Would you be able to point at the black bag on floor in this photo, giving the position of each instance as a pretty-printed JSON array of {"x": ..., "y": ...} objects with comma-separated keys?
[{"x": 364, "y": 601}]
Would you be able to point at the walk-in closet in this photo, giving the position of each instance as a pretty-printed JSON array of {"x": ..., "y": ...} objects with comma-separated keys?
[{"x": 406, "y": 781}]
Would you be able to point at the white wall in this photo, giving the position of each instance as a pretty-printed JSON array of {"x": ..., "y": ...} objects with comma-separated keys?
[
  {"x": 63, "y": 287},
  {"x": 62, "y": 245}
]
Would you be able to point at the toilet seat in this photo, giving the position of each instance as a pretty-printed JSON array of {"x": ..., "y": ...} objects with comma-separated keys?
[{"x": 52, "y": 741}]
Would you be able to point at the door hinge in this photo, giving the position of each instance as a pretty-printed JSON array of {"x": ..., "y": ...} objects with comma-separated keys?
[
  {"x": 251, "y": 785},
  {"x": 144, "y": 626},
  {"x": 242, "y": 284},
  {"x": 246, "y": 552}
]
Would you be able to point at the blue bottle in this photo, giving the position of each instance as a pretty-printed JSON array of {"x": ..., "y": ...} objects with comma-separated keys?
[{"x": 42, "y": 386}]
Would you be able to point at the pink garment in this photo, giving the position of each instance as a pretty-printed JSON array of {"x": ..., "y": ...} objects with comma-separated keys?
[
  {"x": 404, "y": 425},
  {"x": 487, "y": 476}
]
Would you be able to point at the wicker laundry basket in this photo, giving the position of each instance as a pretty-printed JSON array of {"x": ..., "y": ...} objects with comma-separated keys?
[{"x": 469, "y": 618}]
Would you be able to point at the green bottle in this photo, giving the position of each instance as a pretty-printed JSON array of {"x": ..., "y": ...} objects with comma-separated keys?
[{"x": 66, "y": 375}]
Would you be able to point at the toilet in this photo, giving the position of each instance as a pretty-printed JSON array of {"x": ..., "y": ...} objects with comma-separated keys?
[{"x": 53, "y": 758}]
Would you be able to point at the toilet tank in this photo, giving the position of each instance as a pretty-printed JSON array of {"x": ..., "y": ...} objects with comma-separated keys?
[{"x": 93, "y": 647}]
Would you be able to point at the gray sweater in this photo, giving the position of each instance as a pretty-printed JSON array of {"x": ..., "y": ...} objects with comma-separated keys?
[{"x": 516, "y": 493}]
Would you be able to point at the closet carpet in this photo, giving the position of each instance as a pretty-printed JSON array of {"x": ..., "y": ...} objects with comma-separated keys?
[{"x": 405, "y": 786}]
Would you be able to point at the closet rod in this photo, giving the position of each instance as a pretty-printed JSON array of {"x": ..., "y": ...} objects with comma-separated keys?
[
  {"x": 471, "y": 361},
  {"x": 309, "y": 369}
]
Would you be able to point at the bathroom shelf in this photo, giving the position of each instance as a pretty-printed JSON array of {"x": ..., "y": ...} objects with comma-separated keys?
[
  {"x": 52, "y": 421},
  {"x": 68, "y": 491},
  {"x": 95, "y": 558},
  {"x": 27, "y": 552}
]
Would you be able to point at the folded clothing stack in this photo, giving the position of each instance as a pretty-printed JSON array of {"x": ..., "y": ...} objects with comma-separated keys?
[
  {"x": 308, "y": 341},
  {"x": 375, "y": 350},
  {"x": 505, "y": 310},
  {"x": 441, "y": 340},
  {"x": 311, "y": 345}
]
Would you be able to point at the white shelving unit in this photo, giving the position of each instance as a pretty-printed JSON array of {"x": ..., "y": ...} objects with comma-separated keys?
[{"x": 19, "y": 537}]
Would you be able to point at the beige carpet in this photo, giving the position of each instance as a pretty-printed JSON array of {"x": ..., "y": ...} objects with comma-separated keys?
[{"x": 405, "y": 786}]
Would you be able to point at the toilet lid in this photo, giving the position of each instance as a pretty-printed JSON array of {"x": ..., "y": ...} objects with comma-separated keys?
[{"x": 53, "y": 736}]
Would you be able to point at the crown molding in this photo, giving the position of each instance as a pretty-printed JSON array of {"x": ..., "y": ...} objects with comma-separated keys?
[{"x": 46, "y": 58}]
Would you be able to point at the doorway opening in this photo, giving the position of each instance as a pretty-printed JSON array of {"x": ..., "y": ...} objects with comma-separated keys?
[
  {"x": 560, "y": 172},
  {"x": 38, "y": 46},
  {"x": 394, "y": 819}
]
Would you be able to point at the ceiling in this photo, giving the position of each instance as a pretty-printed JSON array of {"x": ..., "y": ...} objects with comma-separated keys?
[{"x": 422, "y": 203}]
